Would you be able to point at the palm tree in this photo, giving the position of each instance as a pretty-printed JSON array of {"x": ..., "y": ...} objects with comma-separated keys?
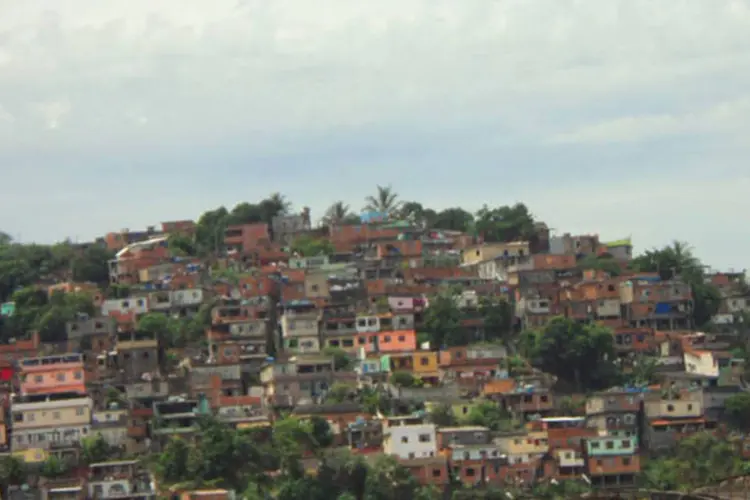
[
  {"x": 386, "y": 200},
  {"x": 336, "y": 214}
]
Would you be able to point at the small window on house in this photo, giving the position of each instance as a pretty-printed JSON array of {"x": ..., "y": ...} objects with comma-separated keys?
[
  {"x": 670, "y": 407},
  {"x": 464, "y": 410},
  {"x": 386, "y": 339},
  {"x": 56, "y": 415},
  {"x": 125, "y": 304},
  {"x": 348, "y": 343},
  {"x": 424, "y": 438},
  {"x": 545, "y": 398},
  {"x": 423, "y": 361},
  {"x": 140, "y": 302},
  {"x": 404, "y": 439},
  {"x": 594, "y": 445},
  {"x": 145, "y": 354},
  {"x": 79, "y": 412},
  {"x": 78, "y": 375},
  {"x": 60, "y": 377},
  {"x": 609, "y": 445},
  {"x": 38, "y": 379},
  {"x": 314, "y": 288},
  {"x": 626, "y": 443},
  {"x": 362, "y": 341},
  {"x": 625, "y": 461},
  {"x": 690, "y": 407},
  {"x": 470, "y": 472},
  {"x": 412, "y": 456},
  {"x": 437, "y": 473},
  {"x": 401, "y": 338}
]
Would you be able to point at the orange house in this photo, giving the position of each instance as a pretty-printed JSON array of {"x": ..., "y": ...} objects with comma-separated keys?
[
  {"x": 397, "y": 341},
  {"x": 52, "y": 374}
]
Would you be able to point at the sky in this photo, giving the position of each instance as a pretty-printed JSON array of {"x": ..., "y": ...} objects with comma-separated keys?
[{"x": 617, "y": 117}]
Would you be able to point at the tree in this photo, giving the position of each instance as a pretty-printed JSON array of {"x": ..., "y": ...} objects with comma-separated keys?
[
  {"x": 490, "y": 415},
  {"x": 181, "y": 245},
  {"x": 388, "y": 479},
  {"x": 53, "y": 467},
  {"x": 210, "y": 229},
  {"x": 5, "y": 238},
  {"x": 442, "y": 415},
  {"x": 341, "y": 359},
  {"x": 338, "y": 393},
  {"x": 321, "y": 431},
  {"x": 453, "y": 219},
  {"x": 95, "y": 449},
  {"x": 505, "y": 224},
  {"x": 13, "y": 472},
  {"x": 581, "y": 355},
  {"x": 307, "y": 246},
  {"x": 737, "y": 411},
  {"x": 384, "y": 201},
  {"x": 498, "y": 315},
  {"x": 172, "y": 462},
  {"x": 403, "y": 379},
  {"x": 607, "y": 264},
  {"x": 92, "y": 265},
  {"x": 442, "y": 321},
  {"x": 338, "y": 214}
]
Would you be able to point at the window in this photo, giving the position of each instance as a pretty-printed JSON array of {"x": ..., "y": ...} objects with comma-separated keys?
[
  {"x": 626, "y": 443},
  {"x": 314, "y": 288},
  {"x": 424, "y": 438},
  {"x": 60, "y": 377},
  {"x": 464, "y": 410},
  {"x": 412, "y": 456},
  {"x": 78, "y": 375},
  {"x": 362, "y": 341},
  {"x": 626, "y": 461},
  {"x": 610, "y": 445},
  {"x": 404, "y": 439},
  {"x": 56, "y": 415},
  {"x": 293, "y": 343},
  {"x": 401, "y": 338},
  {"x": 437, "y": 473},
  {"x": 32, "y": 416},
  {"x": 545, "y": 398},
  {"x": 79, "y": 412},
  {"x": 424, "y": 361},
  {"x": 670, "y": 407},
  {"x": 386, "y": 339},
  {"x": 18, "y": 417},
  {"x": 470, "y": 472},
  {"x": 594, "y": 445},
  {"x": 690, "y": 407},
  {"x": 140, "y": 302},
  {"x": 348, "y": 343},
  {"x": 38, "y": 379}
]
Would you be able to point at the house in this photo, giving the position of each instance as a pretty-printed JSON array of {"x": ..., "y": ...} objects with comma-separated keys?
[
  {"x": 134, "y": 257},
  {"x": 409, "y": 438},
  {"x": 511, "y": 251},
  {"x": 467, "y": 435},
  {"x": 671, "y": 415},
  {"x": 111, "y": 425},
  {"x": 650, "y": 302},
  {"x": 566, "y": 436},
  {"x": 287, "y": 381},
  {"x": 285, "y": 227},
  {"x": 614, "y": 410},
  {"x": 523, "y": 447},
  {"x": 135, "y": 357},
  {"x": 612, "y": 460},
  {"x": 300, "y": 331},
  {"x": 340, "y": 416},
  {"x": 52, "y": 375},
  {"x": 118, "y": 479},
  {"x": 244, "y": 238},
  {"x": 45, "y": 420},
  {"x": 429, "y": 470},
  {"x": 177, "y": 417}
]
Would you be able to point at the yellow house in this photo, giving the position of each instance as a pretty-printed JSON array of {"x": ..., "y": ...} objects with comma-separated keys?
[
  {"x": 460, "y": 408},
  {"x": 486, "y": 251},
  {"x": 524, "y": 443},
  {"x": 425, "y": 362}
]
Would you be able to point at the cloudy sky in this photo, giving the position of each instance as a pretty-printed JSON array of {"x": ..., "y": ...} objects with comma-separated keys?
[{"x": 611, "y": 116}]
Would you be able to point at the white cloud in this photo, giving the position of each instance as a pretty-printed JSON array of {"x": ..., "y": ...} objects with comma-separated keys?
[
  {"x": 725, "y": 117},
  {"x": 293, "y": 95}
]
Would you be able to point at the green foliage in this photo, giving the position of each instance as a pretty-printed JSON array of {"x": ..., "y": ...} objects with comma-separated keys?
[
  {"x": 737, "y": 411},
  {"x": 338, "y": 214},
  {"x": 600, "y": 263},
  {"x": 442, "y": 321},
  {"x": 307, "y": 246},
  {"x": 321, "y": 432},
  {"x": 13, "y": 471},
  {"x": 387, "y": 479},
  {"x": 181, "y": 245},
  {"x": 48, "y": 315},
  {"x": 95, "y": 449},
  {"x": 385, "y": 200},
  {"x": 453, "y": 219},
  {"x": 339, "y": 393},
  {"x": 442, "y": 415},
  {"x": 489, "y": 414},
  {"x": 581, "y": 355},
  {"x": 505, "y": 224},
  {"x": 175, "y": 332},
  {"x": 498, "y": 318},
  {"x": 403, "y": 379},
  {"x": 341, "y": 359},
  {"x": 699, "y": 460},
  {"x": 53, "y": 467}
]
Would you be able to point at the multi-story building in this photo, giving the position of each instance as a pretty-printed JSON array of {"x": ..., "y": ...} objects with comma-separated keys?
[
  {"x": 52, "y": 375},
  {"x": 125, "y": 478},
  {"x": 301, "y": 378},
  {"x": 612, "y": 460},
  {"x": 300, "y": 330},
  {"x": 614, "y": 410},
  {"x": 407, "y": 437},
  {"x": 50, "y": 421}
]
